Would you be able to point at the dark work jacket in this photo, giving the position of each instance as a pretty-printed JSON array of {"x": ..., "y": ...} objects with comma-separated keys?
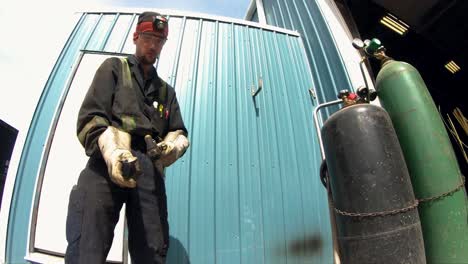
[{"x": 135, "y": 109}]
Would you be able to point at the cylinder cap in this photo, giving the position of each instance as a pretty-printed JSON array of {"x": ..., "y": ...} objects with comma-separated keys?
[{"x": 373, "y": 45}]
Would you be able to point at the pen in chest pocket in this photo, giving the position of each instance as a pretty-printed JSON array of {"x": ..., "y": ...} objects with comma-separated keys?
[{"x": 159, "y": 107}]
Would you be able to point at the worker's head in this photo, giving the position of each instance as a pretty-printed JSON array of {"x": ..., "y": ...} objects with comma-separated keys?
[{"x": 150, "y": 35}]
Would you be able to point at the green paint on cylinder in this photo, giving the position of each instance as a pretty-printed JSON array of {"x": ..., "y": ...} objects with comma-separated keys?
[{"x": 430, "y": 159}]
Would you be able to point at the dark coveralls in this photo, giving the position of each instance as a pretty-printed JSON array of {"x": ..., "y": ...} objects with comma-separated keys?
[{"x": 95, "y": 202}]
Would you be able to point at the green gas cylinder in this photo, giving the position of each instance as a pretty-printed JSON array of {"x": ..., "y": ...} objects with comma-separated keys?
[{"x": 430, "y": 158}]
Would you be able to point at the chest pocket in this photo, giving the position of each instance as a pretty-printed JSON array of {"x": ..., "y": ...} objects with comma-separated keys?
[
  {"x": 159, "y": 111},
  {"x": 155, "y": 109}
]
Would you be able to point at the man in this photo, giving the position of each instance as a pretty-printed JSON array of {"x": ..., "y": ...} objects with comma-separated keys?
[{"x": 126, "y": 103}]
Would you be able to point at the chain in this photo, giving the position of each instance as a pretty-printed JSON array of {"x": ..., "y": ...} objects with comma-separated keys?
[
  {"x": 462, "y": 183},
  {"x": 383, "y": 213},
  {"x": 400, "y": 210}
]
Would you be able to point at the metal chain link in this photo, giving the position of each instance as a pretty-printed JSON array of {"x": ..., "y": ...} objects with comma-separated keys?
[
  {"x": 401, "y": 210},
  {"x": 382, "y": 213},
  {"x": 462, "y": 183}
]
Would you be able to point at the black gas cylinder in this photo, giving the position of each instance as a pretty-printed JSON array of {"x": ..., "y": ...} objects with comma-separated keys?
[{"x": 375, "y": 209}]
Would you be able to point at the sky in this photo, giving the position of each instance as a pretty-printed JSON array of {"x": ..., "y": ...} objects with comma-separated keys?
[{"x": 229, "y": 8}]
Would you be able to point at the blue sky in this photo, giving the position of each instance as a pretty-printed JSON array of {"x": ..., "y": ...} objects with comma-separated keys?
[{"x": 229, "y": 8}]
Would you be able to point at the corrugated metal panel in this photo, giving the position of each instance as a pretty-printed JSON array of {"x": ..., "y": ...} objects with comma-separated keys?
[
  {"x": 328, "y": 68},
  {"x": 248, "y": 190}
]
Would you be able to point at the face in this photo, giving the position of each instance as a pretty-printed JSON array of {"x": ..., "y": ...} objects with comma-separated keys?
[{"x": 148, "y": 47}]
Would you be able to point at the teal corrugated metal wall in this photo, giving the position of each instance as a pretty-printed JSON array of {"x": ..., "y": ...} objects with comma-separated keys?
[
  {"x": 248, "y": 189},
  {"x": 328, "y": 68}
]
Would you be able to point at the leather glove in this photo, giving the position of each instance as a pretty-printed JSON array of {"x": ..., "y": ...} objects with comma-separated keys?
[
  {"x": 115, "y": 148},
  {"x": 173, "y": 147}
]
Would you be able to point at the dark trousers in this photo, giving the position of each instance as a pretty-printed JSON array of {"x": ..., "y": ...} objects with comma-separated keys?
[{"x": 93, "y": 212}]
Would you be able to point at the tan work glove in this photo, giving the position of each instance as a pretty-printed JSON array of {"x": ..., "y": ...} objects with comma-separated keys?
[
  {"x": 115, "y": 148},
  {"x": 174, "y": 146}
]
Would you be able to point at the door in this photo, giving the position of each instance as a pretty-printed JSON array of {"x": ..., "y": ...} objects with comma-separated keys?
[{"x": 65, "y": 160}]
